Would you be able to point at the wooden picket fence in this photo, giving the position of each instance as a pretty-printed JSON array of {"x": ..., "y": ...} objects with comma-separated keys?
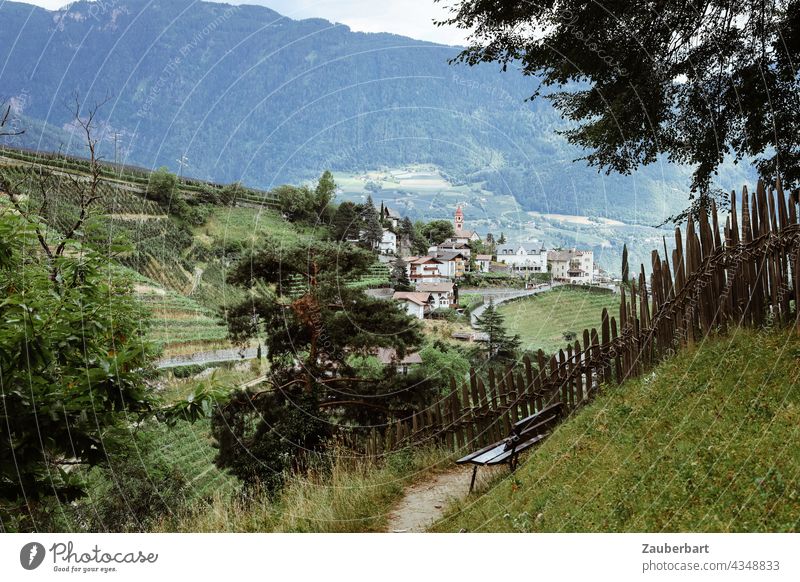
[{"x": 710, "y": 283}]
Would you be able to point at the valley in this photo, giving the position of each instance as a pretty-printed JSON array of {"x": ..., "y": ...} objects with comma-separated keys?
[{"x": 424, "y": 192}]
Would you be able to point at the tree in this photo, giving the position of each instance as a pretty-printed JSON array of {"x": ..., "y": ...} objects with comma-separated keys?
[
  {"x": 502, "y": 239},
  {"x": 400, "y": 280},
  {"x": 692, "y": 81},
  {"x": 410, "y": 236},
  {"x": 316, "y": 325},
  {"x": 438, "y": 231},
  {"x": 625, "y": 269},
  {"x": 4, "y": 121},
  {"x": 346, "y": 222},
  {"x": 499, "y": 344},
  {"x": 73, "y": 363},
  {"x": 324, "y": 194},
  {"x": 296, "y": 203},
  {"x": 373, "y": 231},
  {"x": 162, "y": 186}
]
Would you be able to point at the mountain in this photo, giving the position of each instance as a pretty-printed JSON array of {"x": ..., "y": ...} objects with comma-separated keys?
[{"x": 246, "y": 94}]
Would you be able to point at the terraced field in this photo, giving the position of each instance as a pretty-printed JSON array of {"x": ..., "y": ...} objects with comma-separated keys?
[
  {"x": 180, "y": 325},
  {"x": 189, "y": 448},
  {"x": 541, "y": 320}
]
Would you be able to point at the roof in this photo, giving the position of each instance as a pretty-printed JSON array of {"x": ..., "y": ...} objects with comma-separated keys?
[
  {"x": 435, "y": 287},
  {"x": 449, "y": 256},
  {"x": 529, "y": 247},
  {"x": 391, "y": 212},
  {"x": 483, "y": 257},
  {"x": 427, "y": 259},
  {"x": 414, "y": 296},
  {"x": 389, "y": 355},
  {"x": 559, "y": 255},
  {"x": 464, "y": 234},
  {"x": 453, "y": 245}
]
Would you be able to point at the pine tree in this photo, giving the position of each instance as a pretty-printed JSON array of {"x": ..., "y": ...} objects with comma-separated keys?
[
  {"x": 373, "y": 231},
  {"x": 500, "y": 345},
  {"x": 346, "y": 221},
  {"x": 502, "y": 239},
  {"x": 400, "y": 278},
  {"x": 625, "y": 269}
]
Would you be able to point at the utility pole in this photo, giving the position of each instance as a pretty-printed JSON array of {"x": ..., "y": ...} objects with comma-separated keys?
[
  {"x": 116, "y": 155},
  {"x": 182, "y": 161}
]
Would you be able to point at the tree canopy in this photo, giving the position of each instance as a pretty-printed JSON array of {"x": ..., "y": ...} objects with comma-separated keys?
[
  {"x": 694, "y": 81},
  {"x": 499, "y": 344},
  {"x": 320, "y": 334}
]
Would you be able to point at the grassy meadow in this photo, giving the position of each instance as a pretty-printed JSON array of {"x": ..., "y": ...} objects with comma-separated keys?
[
  {"x": 706, "y": 442},
  {"x": 541, "y": 320}
]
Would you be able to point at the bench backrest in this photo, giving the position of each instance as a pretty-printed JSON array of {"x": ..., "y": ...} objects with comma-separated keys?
[{"x": 555, "y": 409}]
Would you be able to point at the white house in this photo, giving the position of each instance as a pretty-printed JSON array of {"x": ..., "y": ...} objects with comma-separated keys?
[
  {"x": 573, "y": 266},
  {"x": 453, "y": 247},
  {"x": 442, "y": 295},
  {"x": 388, "y": 243},
  {"x": 426, "y": 269},
  {"x": 523, "y": 257},
  {"x": 392, "y": 216},
  {"x": 483, "y": 262},
  {"x": 417, "y": 304},
  {"x": 455, "y": 264}
]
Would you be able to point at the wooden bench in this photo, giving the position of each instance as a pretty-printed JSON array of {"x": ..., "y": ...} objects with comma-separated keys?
[{"x": 524, "y": 434}]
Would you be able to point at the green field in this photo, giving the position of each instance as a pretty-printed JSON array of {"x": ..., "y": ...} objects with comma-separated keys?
[
  {"x": 707, "y": 442},
  {"x": 227, "y": 224},
  {"x": 541, "y": 320}
]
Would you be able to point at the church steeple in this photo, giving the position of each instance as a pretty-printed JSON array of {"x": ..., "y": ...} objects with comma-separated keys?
[{"x": 458, "y": 221}]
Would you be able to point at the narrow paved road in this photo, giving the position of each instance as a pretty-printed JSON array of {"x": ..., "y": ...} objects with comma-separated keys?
[{"x": 211, "y": 357}]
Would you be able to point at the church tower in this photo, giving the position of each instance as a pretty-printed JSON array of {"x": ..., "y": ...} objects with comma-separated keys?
[{"x": 459, "y": 220}]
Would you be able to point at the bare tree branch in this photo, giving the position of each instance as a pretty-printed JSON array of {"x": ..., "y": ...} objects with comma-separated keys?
[{"x": 5, "y": 120}]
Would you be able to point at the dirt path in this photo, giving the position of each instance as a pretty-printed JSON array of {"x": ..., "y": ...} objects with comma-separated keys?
[{"x": 425, "y": 502}]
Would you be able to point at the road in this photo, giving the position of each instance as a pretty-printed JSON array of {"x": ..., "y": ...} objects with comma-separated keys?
[{"x": 211, "y": 357}]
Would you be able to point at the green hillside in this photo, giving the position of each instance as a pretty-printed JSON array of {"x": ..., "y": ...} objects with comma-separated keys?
[
  {"x": 706, "y": 442},
  {"x": 542, "y": 320},
  {"x": 178, "y": 260}
]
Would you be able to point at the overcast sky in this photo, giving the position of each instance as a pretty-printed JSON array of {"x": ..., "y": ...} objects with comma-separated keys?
[{"x": 412, "y": 18}]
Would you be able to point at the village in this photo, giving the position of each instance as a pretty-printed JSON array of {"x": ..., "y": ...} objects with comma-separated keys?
[{"x": 465, "y": 257}]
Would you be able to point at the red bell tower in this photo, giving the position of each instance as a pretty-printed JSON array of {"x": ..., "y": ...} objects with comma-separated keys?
[{"x": 458, "y": 221}]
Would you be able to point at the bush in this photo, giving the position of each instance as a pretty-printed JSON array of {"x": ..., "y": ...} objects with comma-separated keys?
[
  {"x": 162, "y": 186},
  {"x": 135, "y": 490},
  {"x": 445, "y": 313}
]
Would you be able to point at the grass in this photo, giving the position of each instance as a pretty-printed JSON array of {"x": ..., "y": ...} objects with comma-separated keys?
[
  {"x": 248, "y": 225},
  {"x": 344, "y": 494},
  {"x": 541, "y": 320},
  {"x": 706, "y": 442}
]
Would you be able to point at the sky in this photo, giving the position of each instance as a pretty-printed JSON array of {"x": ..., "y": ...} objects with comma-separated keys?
[{"x": 412, "y": 18}]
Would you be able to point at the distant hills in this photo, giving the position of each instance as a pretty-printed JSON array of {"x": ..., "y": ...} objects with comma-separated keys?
[{"x": 246, "y": 94}]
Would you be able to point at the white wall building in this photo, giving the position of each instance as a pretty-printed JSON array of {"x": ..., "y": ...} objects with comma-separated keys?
[
  {"x": 426, "y": 270},
  {"x": 388, "y": 243},
  {"x": 572, "y": 266},
  {"x": 416, "y": 304},
  {"x": 483, "y": 262},
  {"x": 442, "y": 295},
  {"x": 523, "y": 257}
]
